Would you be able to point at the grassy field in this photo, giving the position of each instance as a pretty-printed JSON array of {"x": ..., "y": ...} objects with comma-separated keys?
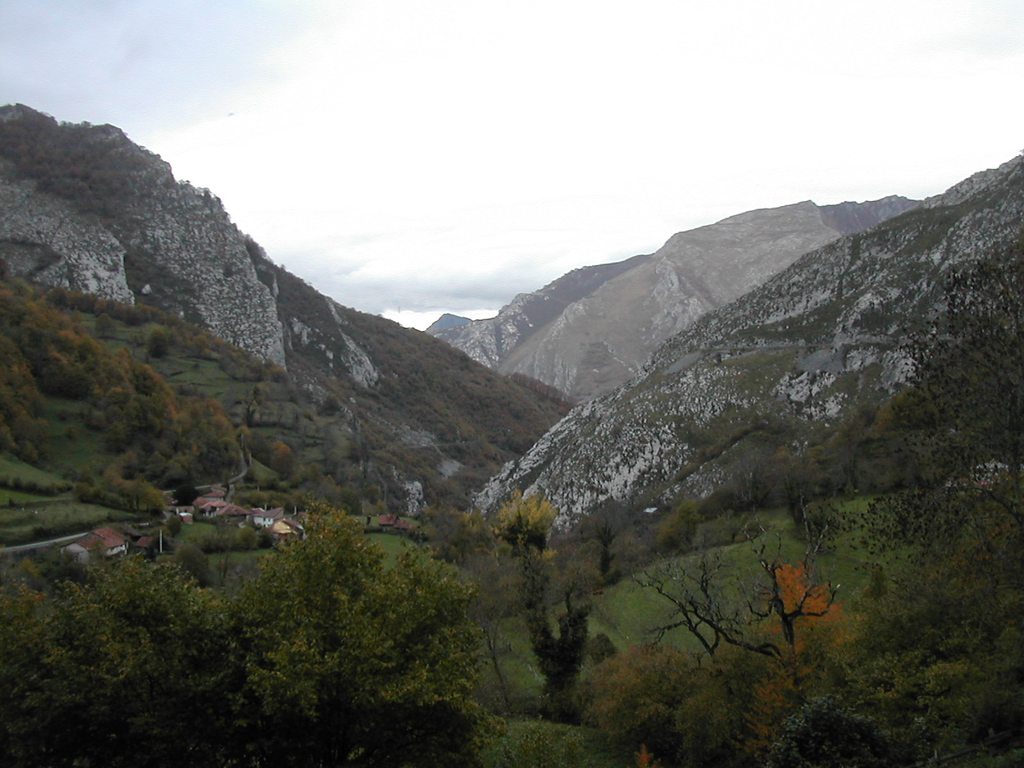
[
  {"x": 542, "y": 744},
  {"x": 14, "y": 472},
  {"x": 20, "y": 525},
  {"x": 9, "y": 498},
  {"x": 627, "y": 612},
  {"x": 72, "y": 447},
  {"x": 392, "y": 545}
]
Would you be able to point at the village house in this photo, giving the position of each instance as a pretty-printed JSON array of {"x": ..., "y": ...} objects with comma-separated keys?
[
  {"x": 210, "y": 507},
  {"x": 265, "y": 518},
  {"x": 233, "y": 512},
  {"x": 286, "y": 529},
  {"x": 105, "y": 542}
]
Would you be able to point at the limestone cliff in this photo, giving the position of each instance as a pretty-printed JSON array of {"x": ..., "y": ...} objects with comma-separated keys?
[{"x": 83, "y": 207}]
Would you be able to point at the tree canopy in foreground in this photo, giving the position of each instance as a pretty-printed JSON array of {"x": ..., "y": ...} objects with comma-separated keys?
[{"x": 327, "y": 658}]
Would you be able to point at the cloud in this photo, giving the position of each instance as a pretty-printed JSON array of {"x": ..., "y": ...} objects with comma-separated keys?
[
  {"x": 451, "y": 154},
  {"x": 140, "y": 64}
]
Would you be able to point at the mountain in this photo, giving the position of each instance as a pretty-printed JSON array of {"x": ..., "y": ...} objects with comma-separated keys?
[
  {"x": 84, "y": 208},
  {"x": 592, "y": 329},
  {"x": 797, "y": 354},
  {"x": 446, "y": 322}
]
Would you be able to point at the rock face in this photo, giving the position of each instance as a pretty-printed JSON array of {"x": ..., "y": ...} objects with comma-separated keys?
[
  {"x": 491, "y": 341},
  {"x": 84, "y": 208},
  {"x": 815, "y": 340},
  {"x": 44, "y": 240},
  {"x": 591, "y": 330}
]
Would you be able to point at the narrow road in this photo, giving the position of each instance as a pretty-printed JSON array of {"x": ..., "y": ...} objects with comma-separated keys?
[{"x": 41, "y": 544}]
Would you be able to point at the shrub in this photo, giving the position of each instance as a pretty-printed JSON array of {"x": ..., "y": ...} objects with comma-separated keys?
[{"x": 823, "y": 734}]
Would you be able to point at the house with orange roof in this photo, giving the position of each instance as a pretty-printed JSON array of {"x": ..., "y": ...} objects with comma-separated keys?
[{"x": 103, "y": 542}]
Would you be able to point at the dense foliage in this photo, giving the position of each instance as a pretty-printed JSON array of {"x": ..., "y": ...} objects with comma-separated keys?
[
  {"x": 152, "y": 435},
  {"x": 929, "y": 657},
  {"x": 327, "y": 658}
]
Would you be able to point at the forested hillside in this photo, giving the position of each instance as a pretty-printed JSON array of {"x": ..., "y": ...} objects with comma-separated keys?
[{"x": 65, "y": 395}]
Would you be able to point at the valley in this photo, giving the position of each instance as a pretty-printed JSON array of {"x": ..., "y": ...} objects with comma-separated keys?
[{"x": 784, "y": 529}]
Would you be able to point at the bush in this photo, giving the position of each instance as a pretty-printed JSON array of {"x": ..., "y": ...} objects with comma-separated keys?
[
  {"x": 540, "y": 745},
  {"x": 173, "y": 525},
  {"x": 823, "y": 734},
  {"x": 194, "y": 562}
]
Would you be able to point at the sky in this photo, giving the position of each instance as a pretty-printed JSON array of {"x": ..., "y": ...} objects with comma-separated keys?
[{"x": 409, "y": 157}]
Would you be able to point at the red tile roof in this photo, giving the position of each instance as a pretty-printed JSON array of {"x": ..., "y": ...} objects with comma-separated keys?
[{"x": 110, "y": 537}]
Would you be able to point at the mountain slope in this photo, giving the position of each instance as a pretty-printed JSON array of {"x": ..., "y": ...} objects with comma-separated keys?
[
  {"x": 84, "y": 208},
  {"x": 591, "y": 330},
  {"x": 805, "y": 348}
]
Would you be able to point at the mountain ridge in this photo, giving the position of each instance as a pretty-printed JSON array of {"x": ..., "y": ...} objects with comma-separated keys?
[
  {"x": 591, "y": 330},
  {"x": 805, "y": 348}
]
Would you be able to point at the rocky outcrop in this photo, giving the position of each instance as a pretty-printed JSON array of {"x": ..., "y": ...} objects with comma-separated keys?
[
  {"x": 591, "y": 330},
  {"x": 43, "y": 239},
  {"x": 83, "y": 207},
  {"x": 818, "y": 339}
]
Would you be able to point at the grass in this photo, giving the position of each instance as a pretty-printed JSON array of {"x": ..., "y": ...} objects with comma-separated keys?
[
  {"x": 54, "y": 519},
  {"x": 261, "y": 474},
  {"x": 19, "y": 498},
  {"x": 626, "y": 612},
  {"x": 536, "y": 742},
  {"x": 72, "y": 447},
  {"x": 196, "y": 532},
  {"x": 13, "y": 470},
  {"x": 391, "y": 544}
]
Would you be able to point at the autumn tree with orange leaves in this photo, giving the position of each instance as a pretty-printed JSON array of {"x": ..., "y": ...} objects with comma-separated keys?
[{"x": 710, "y": 599}]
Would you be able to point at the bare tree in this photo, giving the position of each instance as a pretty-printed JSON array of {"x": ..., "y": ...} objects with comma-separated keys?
[{"x": 717, "y": 603}]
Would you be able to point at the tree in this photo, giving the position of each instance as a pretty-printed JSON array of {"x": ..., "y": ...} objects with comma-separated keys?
[
  {"x": 823, "y": 735},
  {"x": 636, "y": 696},
  {"x": 492, "y": 605},
  {"x": 282, "y": 459},
  {"x": 969, "y": 371},
  {"x": 193, "y": 561},
  {"x": 524, "y": 524},
  {"x": 939, "y": 654},
  {"x": 603, "y": 527},
  {"x": 158, "y": 342},
  {"x": 349, "y": 662},
  {"x": 559, "y": 654},
  {"x": 677, "y": 529},
  {"x": 185, "y": 494},
  {"x": 525, "y": 521},
  {"x": 687, "y": 710},
  {"x": 128, "y": 669},
  {"x": 710, "y": 601},
  {"x": 457, "y": 536}
]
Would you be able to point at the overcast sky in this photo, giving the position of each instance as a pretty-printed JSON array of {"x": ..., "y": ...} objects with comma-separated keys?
[{"x": 413, "y": 156}]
